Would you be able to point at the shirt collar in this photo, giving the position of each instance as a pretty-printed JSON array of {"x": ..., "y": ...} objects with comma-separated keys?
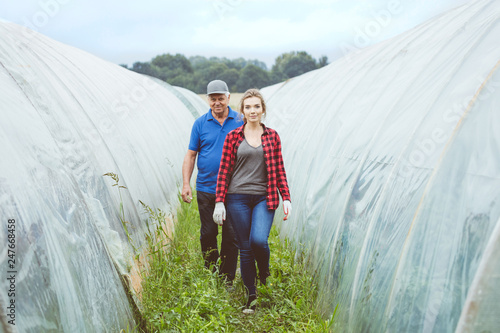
[{"x": 239, "y": 130}]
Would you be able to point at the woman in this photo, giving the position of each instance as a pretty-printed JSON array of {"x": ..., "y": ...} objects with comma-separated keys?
[{"x": 250, "y": 174}]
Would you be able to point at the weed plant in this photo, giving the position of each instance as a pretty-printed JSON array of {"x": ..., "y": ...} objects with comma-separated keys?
[
  {"x": 116, "y": 179},
  {"x": 181, "y": 295}
]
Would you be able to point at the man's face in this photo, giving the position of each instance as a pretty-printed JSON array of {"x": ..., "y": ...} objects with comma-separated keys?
[{"x": 218, "y": 103}]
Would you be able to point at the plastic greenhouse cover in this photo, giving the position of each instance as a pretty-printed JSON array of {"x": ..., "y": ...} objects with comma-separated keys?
[
  {"x": 192, "y": 101},
  {"x": 393, "y": 158},
  {"x": 67, "y": 119}
]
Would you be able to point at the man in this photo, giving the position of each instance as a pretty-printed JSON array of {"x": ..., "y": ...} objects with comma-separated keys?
[{"x": 207, "y": 138}]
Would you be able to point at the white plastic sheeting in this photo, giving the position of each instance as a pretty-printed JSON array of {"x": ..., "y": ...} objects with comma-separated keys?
[
  {"x": 67, "y": 118},
  {"x": 192, "y": 101},
  {"x": 393, "y": 158}
]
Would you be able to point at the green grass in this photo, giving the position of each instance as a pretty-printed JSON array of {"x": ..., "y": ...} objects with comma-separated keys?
[{"x": 180, "y": 295}]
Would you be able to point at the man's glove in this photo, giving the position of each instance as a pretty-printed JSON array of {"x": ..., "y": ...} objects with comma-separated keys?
[
  {"x": 219, "y": 213},
  {"x": 287, "y": 209}
]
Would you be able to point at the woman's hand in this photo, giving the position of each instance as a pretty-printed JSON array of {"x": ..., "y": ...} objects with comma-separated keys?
[
  {"x": 287, "y": 209},
  {"x": 219, "y": 213}
]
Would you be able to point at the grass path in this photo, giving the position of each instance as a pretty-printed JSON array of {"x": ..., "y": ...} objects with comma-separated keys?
[{"x": 180, "y": 295}]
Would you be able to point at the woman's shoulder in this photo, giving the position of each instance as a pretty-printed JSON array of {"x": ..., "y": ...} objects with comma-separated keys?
[
  {"x": 270, "y": 131},
  {"x": 235, "y": 132}
]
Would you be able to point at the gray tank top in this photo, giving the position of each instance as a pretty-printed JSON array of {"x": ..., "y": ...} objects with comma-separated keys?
[{"x": 249, "y": 173}]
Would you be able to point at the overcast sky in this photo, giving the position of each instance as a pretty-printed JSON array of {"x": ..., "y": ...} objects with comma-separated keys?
[{"x": 124, "y": 32}]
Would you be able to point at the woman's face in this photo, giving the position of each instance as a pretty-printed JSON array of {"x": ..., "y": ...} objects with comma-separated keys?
[{"x": 252, "y": 109}]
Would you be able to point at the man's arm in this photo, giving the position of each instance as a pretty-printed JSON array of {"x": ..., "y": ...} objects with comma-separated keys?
[{"x": 187, "y": 172}]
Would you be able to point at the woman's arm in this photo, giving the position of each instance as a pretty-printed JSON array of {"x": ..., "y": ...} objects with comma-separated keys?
[
  {"x": 282, "y": 182},
  {"x": 225, "y": 168}
]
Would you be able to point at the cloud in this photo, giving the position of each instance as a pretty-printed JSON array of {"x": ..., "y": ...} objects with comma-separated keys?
[
  {"x": 257, "y": 29},
  {"x": 266, "y": 32}
]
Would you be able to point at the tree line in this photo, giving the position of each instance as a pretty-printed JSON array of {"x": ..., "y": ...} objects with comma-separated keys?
[{"x": 240, "y": 74}]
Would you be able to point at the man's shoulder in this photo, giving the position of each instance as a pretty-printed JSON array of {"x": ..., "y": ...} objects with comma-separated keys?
[
  {"x": 201, "y": 120},
  {"x": 236, "y": 116},
  {"x": 204, "y": 117},
  {"x": 232, "y": 113}
]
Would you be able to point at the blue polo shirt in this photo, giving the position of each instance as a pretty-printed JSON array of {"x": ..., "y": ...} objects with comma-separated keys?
[{"x": 207, "y": 138}]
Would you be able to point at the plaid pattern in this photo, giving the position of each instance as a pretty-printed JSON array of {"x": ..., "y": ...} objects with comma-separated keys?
[{"x": 276, "y": 176}]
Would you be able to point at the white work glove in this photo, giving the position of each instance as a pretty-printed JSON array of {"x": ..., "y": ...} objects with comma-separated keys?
[
  {"x": 219, "y": 213},
  {"x": 287, "y": 209}
]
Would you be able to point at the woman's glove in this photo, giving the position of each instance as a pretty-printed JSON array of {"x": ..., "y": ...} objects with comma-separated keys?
[
  {"x": 219, "y": 213},
  {"x": 287, "y": 209}
]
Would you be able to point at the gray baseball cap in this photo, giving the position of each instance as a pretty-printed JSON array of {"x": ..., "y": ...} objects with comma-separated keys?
[{"x": 217, "y": 87}]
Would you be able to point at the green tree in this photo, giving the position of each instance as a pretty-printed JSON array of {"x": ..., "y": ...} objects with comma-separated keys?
[
  {"x": 299, "y": 65},
  {"x": 323, "y": 61},
  {"x": 230, "y": 76},
  {"x": 257, "y": 63},
  {"x": 252, "y": 77},
  {"x": 294, "y": 63},
  {"x": 199, "y": 85},
  {"x": 145, "y": 68},
  {"x": 277, "y": 76},
  {"x": 239, "y": 74},
  {"x": 197, "y": 61},
  {"x": 174, "y": 69},
  {"x": 213, "y": 71},
  {"x": 173, "y": 62},
  {"x": 185, "y": 81},
  {"x": 238, "y": 63}
]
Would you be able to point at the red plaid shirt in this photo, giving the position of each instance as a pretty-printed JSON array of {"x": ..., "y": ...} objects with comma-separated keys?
[{"x": 276, "y": 176}]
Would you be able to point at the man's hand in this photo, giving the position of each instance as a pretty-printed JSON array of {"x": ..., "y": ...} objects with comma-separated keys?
[
  {"x": 187, "y": 171},
  {"x": 219, "y": 213},
  {"x": 187, "y": 194}
]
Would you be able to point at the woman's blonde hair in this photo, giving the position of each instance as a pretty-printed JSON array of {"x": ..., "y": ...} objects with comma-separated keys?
[{"x": 251, "y": 93}]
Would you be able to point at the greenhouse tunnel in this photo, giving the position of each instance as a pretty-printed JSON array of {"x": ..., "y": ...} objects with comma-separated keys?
[
  {"x": 393, "y": 159},
  {"x": 67, "y": 119},
  {"x": 392, "y": 154}
]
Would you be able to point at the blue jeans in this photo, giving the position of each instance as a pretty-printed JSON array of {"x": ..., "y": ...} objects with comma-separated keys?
[
  {"x": 208, "y": 239},
  {"x": 252, "y": 222}
]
